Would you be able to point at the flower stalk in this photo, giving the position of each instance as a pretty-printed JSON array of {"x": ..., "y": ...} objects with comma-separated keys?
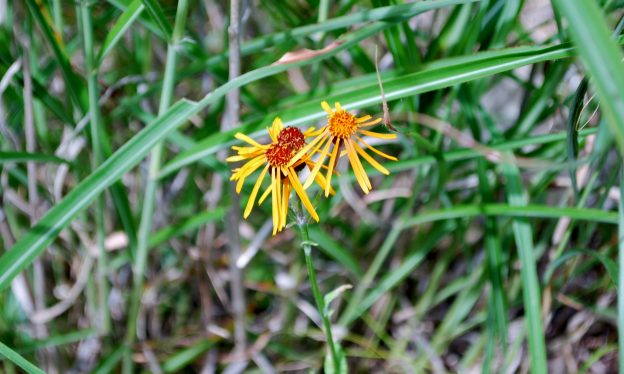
[{"x": 306, "y": 244}]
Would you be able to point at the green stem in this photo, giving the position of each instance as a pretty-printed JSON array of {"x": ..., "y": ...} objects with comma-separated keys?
[
  {"x": 320, "y": 303},
  {"x": 149, "y": 201},
  {"x": 95, "y": 125}
]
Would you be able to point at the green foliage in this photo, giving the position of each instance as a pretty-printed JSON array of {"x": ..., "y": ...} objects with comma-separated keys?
[{"x": 495, "y": 228}]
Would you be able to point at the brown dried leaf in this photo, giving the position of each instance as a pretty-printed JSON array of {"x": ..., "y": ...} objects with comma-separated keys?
[{"x": 306, "y": 54}]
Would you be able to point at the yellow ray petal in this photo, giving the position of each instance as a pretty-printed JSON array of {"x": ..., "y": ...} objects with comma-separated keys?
[
  {"x": 332, "y": 163},
  {"x": 264, "y": 195},
  {"x": 363, "y": 119},
  {"x": 377, "y": 135},
  {"x": 326, "y": 107},
  {"x": 274, "y": 207},
  {"x": 254, "y": 192},
  {"x": 247, "y": 170},
  {"x": 360, "y": 175},
  {"x": 302, "y": 195},
  {"x": 371, "y": 123},
  {"x": 318, "y": 165},
  {"x": 370, "y": 160},
  {"x": 285, "y": 195},
  {"x": 307, "y": 147},
  {"x": 376, "y": 150},
  {"x": 245, "y": 138},
  {"x": 337, "y": 105}
]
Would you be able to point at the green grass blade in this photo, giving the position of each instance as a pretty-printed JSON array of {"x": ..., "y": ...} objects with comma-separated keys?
[
  {"x": 609, "y": 265},
  {"x": 18, "y": 360},
  {"x": 190, "y": 224},
  {"x": 74, "y": 85},
  {"x": 124, "y": 22},
  {"x": 602, "y": 57},
  {"x": 442, "y": 74},
  {"x": 333, "y": 249},
  {"x": 154, "y": 9},
  {"x": 27, "y": 248},
  {"x": 186, "y": 356},
  {"x": 6, "y": 157},
  {"x": 530, "y": 283}
]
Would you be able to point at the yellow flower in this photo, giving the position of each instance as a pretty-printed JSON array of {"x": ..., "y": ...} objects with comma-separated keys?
[
  {"x": 344, "y": 128},
  {"x": 275, "y": 159}
]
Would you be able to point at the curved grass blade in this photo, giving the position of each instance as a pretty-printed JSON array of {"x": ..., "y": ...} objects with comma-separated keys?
[
  {"x": 435, "y": 76},
  {"x": 602, "y": 57}
]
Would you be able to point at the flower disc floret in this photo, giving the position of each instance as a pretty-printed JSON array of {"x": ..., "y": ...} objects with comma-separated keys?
[
  {"x": 279, "y": 155},
  {"x": 342, "y": 124},
  {"x": 292, "y": 138}
]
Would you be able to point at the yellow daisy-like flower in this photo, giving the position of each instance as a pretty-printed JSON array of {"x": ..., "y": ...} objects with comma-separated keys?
[
  {"x": 275, "y": 159},
  {"x": 344, "y": 128}
]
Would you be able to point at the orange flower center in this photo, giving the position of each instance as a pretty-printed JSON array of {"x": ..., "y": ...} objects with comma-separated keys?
[
  {"x": 342, "y": 124},
  {"x": 289, "y": 141}
]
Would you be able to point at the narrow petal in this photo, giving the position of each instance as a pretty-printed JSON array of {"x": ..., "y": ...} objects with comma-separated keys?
[
  {"x": 302, "y": 195},
  {"x": 338, "y": 106},
  {"x": 378, "y": 135},
  {"x": 376, "y": 150},
  {"x": 332, "y": 163},
  {"x": 254, "y": 192},
  {"x": 359, "y": 174},
  {"x": 363, "y": 119},
  {"x": 318, "y": 165},
  {"x": 274, "y": 208},
  {"x": 370, "y": 160},
  {"x": 264, "y": 195},
  {"x": 246, "y": 139},
  {"x": 326, "y": 107},
  {"x": 285, "y": 196},
  {"x": 307, "y": 147},
  {"x": 247, "y": 170},
  {"x": 371, "y": 123}
]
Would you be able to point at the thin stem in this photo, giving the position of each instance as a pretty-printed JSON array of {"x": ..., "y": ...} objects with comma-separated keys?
[
  {"x": 231, "y": 119},
  {"x": 149, "y": 201},
  {"x": 104, "y": 322},
  {"x": 318, "y": 298}
]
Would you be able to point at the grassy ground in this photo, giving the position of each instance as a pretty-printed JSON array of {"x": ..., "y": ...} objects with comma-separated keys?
[{"x": 492, "y": 245}]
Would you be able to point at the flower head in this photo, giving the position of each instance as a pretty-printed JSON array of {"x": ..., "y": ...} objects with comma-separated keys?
[
  {"x": 275, "y": 159},
  {"x": 344, "y": 129}
]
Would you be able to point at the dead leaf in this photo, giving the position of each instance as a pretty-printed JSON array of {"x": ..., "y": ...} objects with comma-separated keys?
[{"x": 306, "y": 54}]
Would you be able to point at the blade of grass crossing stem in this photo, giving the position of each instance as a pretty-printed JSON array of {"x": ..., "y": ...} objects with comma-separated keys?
[
  {"x": 620, "y": 289},
  {"x": 124, "y": 22},
  {"x": 18, "y": 360},
  {"x": 528, "y": 273},
  {"x": 131, "y": 153},
  {"x": 601, "y": 56}
]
